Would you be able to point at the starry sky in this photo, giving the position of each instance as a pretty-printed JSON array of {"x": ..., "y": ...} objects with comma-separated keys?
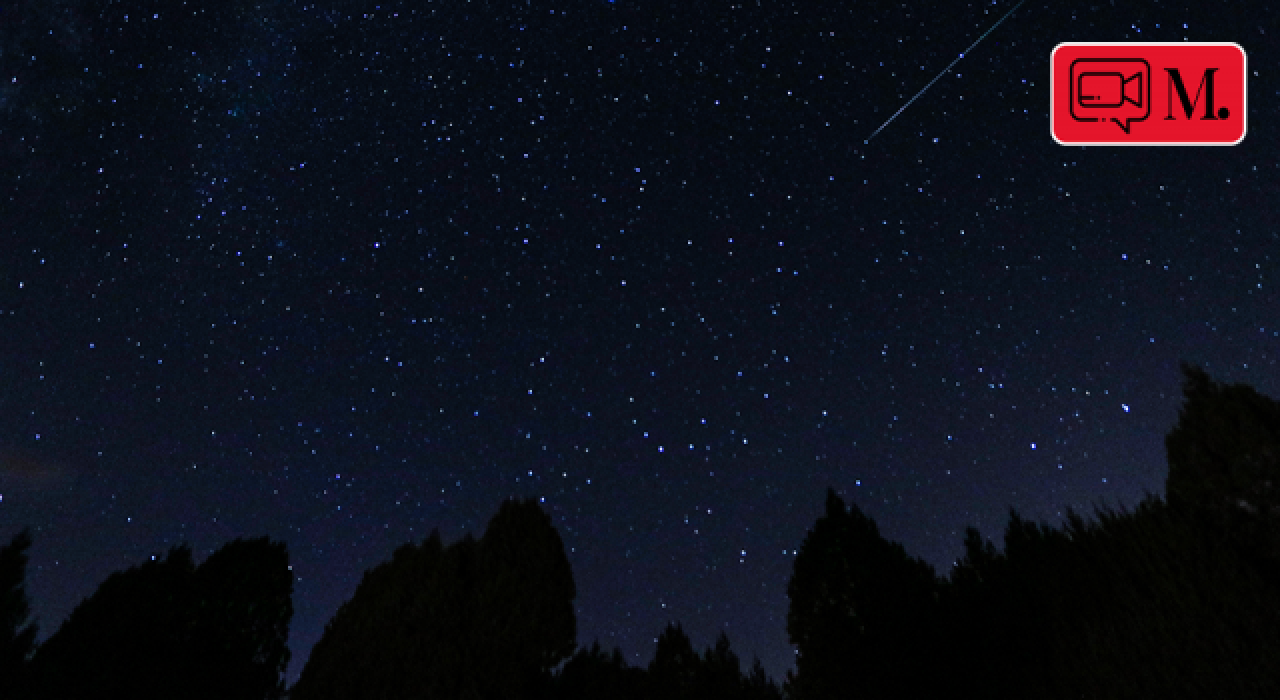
[{"x": 342, "y": 273}]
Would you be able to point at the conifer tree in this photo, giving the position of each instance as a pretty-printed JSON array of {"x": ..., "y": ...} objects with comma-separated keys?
[
  {"x": 17, "y": 634},
  {"x": 675, "y": 666}
]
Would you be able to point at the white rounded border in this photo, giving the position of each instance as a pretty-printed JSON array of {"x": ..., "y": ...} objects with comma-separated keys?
[{"x": 1244, "y": 90}]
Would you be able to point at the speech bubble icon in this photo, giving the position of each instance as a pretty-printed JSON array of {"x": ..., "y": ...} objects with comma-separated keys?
[{"x": 1115, "y": 89}]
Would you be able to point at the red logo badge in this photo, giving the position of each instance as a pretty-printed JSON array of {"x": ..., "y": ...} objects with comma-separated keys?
[{"x": 1116, "y": 94}]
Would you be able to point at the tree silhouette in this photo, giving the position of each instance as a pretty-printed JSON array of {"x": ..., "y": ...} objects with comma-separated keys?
[
  {"x": 973, "y": 621},
  {"x": 675, "y": 672},
  {"x": 675, "y": 667},
  {"x": 720, "y": 673},
  {"x": 17, "y": 636},
  {"x": 244, "y": 598},
  {"x": 757, "y": 685},
  {"x": 995, "y": 613},
  {"x": 125, "y": 639},
  {"x": 167, "y": 629},
  {"x": 1224, "y": 464},
  {"x": 526, "y": 598},
  {"x": 1175, "y": 599},
  {"x": 1132, "y": 605},
  {"x": 394, "y": 633},
  {"x": 484, "y": 618},
  {"x": 591, "y": 674},
  {"x": 862, "y": 612},
  {"x": 1148, "y": 605}
]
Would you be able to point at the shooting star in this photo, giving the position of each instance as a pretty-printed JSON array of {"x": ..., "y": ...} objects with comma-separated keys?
[{"x": 944, "y": 71}]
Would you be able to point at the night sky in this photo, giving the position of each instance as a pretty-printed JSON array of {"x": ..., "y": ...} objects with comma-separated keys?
[{"x": 342, "y": 274}]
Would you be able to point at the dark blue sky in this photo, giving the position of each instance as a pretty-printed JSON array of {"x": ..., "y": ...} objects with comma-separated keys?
[{"x": 341, "y": 276}]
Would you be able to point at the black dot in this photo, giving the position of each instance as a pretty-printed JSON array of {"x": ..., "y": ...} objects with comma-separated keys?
[{"x": 1223, "y": 112}]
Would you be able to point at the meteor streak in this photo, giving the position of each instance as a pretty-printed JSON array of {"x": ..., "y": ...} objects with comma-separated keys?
[{"x": 944, "y": 71}]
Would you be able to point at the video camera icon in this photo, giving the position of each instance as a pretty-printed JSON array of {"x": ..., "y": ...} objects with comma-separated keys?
[{"x": 1115, "y": 89}]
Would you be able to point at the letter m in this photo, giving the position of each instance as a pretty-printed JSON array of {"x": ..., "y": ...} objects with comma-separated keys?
[{"x": 1188, "y": 104}]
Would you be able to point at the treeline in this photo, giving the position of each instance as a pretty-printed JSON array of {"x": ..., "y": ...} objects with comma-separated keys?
[
  {"x": 486, "y": 618},
  {"x": 1178, "y": 598},
  {"x": 152, "y": 630},
  {"x": 493, "y": 618}
]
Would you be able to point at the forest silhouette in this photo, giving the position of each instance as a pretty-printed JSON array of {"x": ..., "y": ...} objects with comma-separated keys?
[{"x": 1178, "y": 598}]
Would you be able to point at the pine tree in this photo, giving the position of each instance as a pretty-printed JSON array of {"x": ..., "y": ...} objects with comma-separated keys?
[
  {"x": 720, "y": 673},
  {"x": 675, "y": 667},
  {"x": 758, "y": 686},
  {"x": 17, "y": 635}
]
